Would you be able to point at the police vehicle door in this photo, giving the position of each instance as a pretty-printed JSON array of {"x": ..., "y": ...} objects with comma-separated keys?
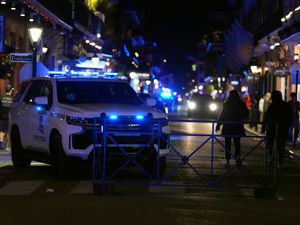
[{"x": 38, "y": 114}]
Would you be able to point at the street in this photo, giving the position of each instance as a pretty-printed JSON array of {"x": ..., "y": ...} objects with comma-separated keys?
[{"x": 28, "y": 196}]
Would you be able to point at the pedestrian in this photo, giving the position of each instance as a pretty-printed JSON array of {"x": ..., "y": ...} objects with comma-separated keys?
[
  {"x": 254, "y": 113},
  {"x": 233, "y": 113},
  {"x": 277, "y": 121},
  {"x": 294, "y": 129},
  {"x": 261, "y": 108},
  {"x": 265, "y": 105},
  {"x": 5, "y": 103}
]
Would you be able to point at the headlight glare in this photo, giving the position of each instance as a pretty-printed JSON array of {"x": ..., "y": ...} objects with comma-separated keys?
[
  {"x": 213, "y": 107},
  {"x": 191, "y": 105}
]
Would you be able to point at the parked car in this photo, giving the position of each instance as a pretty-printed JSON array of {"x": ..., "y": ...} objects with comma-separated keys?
[
  {"x": 52, "y": 121},
  {"x": 203, "y": 106}
]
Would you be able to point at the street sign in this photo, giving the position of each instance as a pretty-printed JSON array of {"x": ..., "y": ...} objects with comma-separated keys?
[{"x": 20, "y": 57}]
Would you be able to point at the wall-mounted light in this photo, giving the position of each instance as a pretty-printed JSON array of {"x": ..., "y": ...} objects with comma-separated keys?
[
  {"x": 22, "y": 13},
  {"x": 13, "y": 6},
  {"x": 62, "y": 32},
  {"x": 3, "y": 2}
]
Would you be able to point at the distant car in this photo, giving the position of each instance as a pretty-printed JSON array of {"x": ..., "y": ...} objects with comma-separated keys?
[
  {"x": 203, "y": 106},
  {"x": 159, "y": 104}
]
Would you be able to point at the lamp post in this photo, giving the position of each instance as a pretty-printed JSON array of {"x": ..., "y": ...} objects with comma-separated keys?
[{"x": 35, "y": 33}]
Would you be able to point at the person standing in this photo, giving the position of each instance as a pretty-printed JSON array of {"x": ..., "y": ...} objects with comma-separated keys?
[
  {"x": 277, "y": 121},
  {"x": 5, "y": 103},
  {"x": 261, "y": 108},
  {"x": 265, "y": 105},
  {"x": 233, "y": 113},
  {"x": 295, "y": 108}
]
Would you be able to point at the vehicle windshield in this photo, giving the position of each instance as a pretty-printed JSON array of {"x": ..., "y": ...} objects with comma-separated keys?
[
  {"x": 198, "y": 97},
  {"x": 87, "y": 92}
]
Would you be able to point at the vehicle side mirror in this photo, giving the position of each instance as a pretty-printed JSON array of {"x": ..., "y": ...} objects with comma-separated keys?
[
  {"x": 41, "y": 100},
  {"x": 151, "y": 101}
]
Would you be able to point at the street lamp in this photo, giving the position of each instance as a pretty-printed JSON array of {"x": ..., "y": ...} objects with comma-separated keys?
[{"x": 35, "y": 34}]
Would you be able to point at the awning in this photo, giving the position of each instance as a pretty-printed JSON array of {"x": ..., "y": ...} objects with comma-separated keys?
[
  {"x": 49, "y": 14},
  {"x": 293, "y": 39}
]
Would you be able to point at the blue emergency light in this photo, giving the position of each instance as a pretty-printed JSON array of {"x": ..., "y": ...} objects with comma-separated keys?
[
  {"x": 39, "y": 108},
  {"x": 82, "y": 74},
  {"x": 139, "y": 117},
  {"x": 113, "y": 117}
]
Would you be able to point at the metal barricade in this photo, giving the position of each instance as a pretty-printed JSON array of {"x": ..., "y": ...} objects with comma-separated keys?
[{"x": 186, "y": 167}]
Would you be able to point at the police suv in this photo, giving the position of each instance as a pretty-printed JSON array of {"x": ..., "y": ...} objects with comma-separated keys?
[{"x": 52, "y": 120}]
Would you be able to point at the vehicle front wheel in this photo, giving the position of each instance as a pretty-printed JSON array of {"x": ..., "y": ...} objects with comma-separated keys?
[
  {"x": 17, "y": 151},
  {"x": 62, "y": 163},
  {"x": 154, "y": 170}
]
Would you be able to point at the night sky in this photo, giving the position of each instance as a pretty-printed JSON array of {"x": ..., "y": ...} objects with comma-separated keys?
[{"x": 176, "y": 26}]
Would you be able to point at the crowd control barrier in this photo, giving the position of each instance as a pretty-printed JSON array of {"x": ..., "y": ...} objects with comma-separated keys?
[{"x": 196, "y": 158}]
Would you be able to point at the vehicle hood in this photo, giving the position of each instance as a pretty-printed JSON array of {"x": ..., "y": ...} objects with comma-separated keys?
[{"x": 94, "y": 110}]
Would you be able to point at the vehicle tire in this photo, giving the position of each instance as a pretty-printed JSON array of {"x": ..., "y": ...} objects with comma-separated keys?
[
  {"x": 62, "y": 164},
  {"x": 17, "y": 151},
  {"x": 151, "y": 166}
]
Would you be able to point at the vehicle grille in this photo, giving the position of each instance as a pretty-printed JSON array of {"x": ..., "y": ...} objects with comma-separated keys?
[{"x": 124, "y": 132}]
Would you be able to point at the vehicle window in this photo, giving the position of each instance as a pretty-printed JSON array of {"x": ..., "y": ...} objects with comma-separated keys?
[
  {"x": 201, "y": 98},
  {"x": 86, "y": 92},
  {"x": 23, "y": 88},
  {"x": 47, "y": 91},
  {"x": 36, "y": 89}
]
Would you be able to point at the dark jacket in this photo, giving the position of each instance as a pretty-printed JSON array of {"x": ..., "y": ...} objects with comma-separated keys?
[
  {"x": 5, "y": 103},
  {"x": 235, "y": 111},
  {"x": 278, "y": 114}
]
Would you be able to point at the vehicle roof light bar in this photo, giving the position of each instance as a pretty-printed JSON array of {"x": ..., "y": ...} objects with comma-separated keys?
[{"x": 82, "y": 74}]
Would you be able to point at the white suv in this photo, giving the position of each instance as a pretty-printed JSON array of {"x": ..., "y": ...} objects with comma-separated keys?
[{"x": 52, "y": 118}]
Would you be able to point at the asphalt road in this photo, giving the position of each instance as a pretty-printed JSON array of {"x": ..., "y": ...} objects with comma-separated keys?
[{"x": 33, "y": 196}]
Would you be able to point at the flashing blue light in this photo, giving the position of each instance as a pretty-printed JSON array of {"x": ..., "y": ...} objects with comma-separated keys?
[
  {"x": 208, "y": 47},
  {"x": 39, "y": 108},
  {"x": 139, "y": 117},
  {"x": 127, "y": 53},
  {"x": 245, "y": 73},
  {"x": 166, "y": 95},
  {"x": 113, "y": 117}
]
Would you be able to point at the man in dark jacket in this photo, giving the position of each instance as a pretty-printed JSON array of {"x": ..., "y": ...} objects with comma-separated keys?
[
  {"x": 233, "y": 113},
  {"x": 278, "y": 119}
]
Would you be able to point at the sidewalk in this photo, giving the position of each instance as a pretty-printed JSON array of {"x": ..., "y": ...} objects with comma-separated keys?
[{"x": 289, "y": 147}]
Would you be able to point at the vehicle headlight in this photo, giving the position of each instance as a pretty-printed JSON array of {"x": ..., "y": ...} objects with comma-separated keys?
[
  {"x": 213, "y": 107},
  {"x": 191, "y": 105}
]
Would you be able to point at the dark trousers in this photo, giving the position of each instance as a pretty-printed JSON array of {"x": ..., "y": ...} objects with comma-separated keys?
[
  {"x": 280, "y": 147},
  {"x": 237, "y": 146},
  {"x": 294, "y": 132}
]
